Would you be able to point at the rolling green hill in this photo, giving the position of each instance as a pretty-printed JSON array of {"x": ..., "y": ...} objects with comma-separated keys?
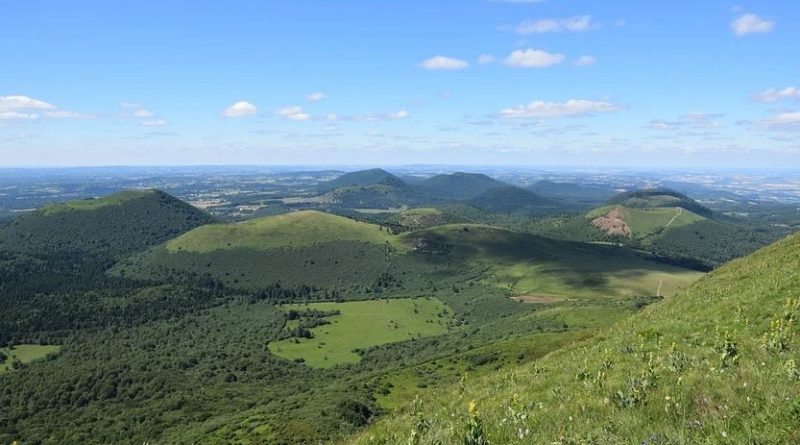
[
  {"x": 716, "y": 363},
  {"x": 658, "y": 198},
  {"x": 116, "y": 224},
  {"x": 363, "y": 178},
  {"x": 512, "y": 200},
  {"x": 664, "y": 222},
  {"x": 323, "y": 250},
  {"x": 458, "y": 185}
]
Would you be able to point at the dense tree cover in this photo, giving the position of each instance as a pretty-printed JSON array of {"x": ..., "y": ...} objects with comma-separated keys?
[{"x": 113, "y": 225}]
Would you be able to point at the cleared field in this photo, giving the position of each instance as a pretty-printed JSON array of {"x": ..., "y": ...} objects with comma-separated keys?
[
  {"x": 361, "y": 325},
  {"x": 25, "y": 354},
  {"x": 289, "y": 230}
]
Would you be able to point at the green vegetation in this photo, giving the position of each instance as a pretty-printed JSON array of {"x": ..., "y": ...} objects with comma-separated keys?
[
  {"x": 363, "y": 178},
  {"x": 523, "y": 264},
  {"x": 458, "y": 185},
  {"x": 297, "y": 328},
  {"x": 717, "y": 363},
  {"x": 388, "y": 321},
  {"x": 15, "y": 356},
  {"x": 512, "y": 200},
  {"x": 120, "y": 223},
  {"x": 654, "y": 198},
  {"x": 294, "y": 229}
]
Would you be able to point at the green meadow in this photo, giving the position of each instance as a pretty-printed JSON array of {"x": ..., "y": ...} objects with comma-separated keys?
[
  {"x": 24, "y": 353},
  {"x": 361, "y": 325}
]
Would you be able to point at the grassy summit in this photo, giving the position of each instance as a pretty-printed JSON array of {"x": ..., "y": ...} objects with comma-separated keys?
[
  {"x": 294, "y": 229},
  {"x": 717, "y": 363}
]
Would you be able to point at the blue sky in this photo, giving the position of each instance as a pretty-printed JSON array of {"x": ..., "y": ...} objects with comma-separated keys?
[{"x": 553, "y": 82}]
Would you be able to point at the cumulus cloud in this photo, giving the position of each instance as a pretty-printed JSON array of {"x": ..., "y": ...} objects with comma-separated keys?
[
  {"x": 293, "y": 114},
  {"x": 751, "y": 24},
  {"x": 783, "y": 121},
  {"x": 316, "y": 97},
  {"x": 584, "y": 61},
  {"x": 571, "y": 24},
  {"x": 546, "y": 110},
  {"x": 240, "y": 109},
  {"x": 485, "y": 59},
  {"x": 775, "y": 95},
  {"x": 28, "y": 108},
  {"x": 533, "y": 58},
  {"x": 444, "y": 63},
  {"x": 8, "y": 103}
]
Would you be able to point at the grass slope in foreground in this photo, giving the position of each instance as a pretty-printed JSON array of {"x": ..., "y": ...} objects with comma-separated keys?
[
  {"x": 361, "y": 325},
  {"x": 718, "y": 363}
]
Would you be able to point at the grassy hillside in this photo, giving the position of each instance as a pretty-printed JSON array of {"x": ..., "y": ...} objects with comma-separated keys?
[
  {"x": 527, "y": 264},
  {"x": 115, "y": 224},
  {"x": 293, "y": 229},
  {"x": 655, "y": 198},
  {"x": 662, "y": 221},
  {"x": 717, "y": 363},
  {"x": 328, "y": 251}
]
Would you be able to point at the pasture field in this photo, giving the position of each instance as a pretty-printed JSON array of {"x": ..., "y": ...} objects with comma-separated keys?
[
  {"x": 361, "y": 325},
  {"x": 25, "y": 354}
]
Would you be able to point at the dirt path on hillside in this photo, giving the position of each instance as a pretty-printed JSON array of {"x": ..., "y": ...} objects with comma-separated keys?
[
  {"x": 539, "y": 299},
  {"x": 680, "y": 212}
]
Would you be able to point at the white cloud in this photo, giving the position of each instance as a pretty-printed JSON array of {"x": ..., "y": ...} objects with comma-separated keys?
[
  {"x": 8, "y": 103},
  {"x": 784, "y": 121},
  {"x": 485, "y": 59},
  {"x": 293, "y": 114},
  {"x": 533, "y": 58},
  {"x": 240, "y": 109},
  {"x": 774, "y": 94},
  {"x": 574, "y": 24},
  {"x": 584, "y": 61},
  {"x": 153, "y": 123},
  {"x": 63, "y": 114},
  {"x": 316, "y": 97},
  {"x": 751, "y": 23},
  {"x": 16, "y": 115},
  {"x": 696, "y": 120},
  {"x": 444, "y": 63},
  {"x": 571, "y": 108},
  {"x": 142, "y": 113}
]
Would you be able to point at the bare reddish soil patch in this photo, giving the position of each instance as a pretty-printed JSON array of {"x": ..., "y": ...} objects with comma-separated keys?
[{"x": 613, "y": 223}]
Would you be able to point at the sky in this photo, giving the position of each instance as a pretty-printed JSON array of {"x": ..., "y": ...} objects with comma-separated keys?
[{"x": 384, "y": 82}]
